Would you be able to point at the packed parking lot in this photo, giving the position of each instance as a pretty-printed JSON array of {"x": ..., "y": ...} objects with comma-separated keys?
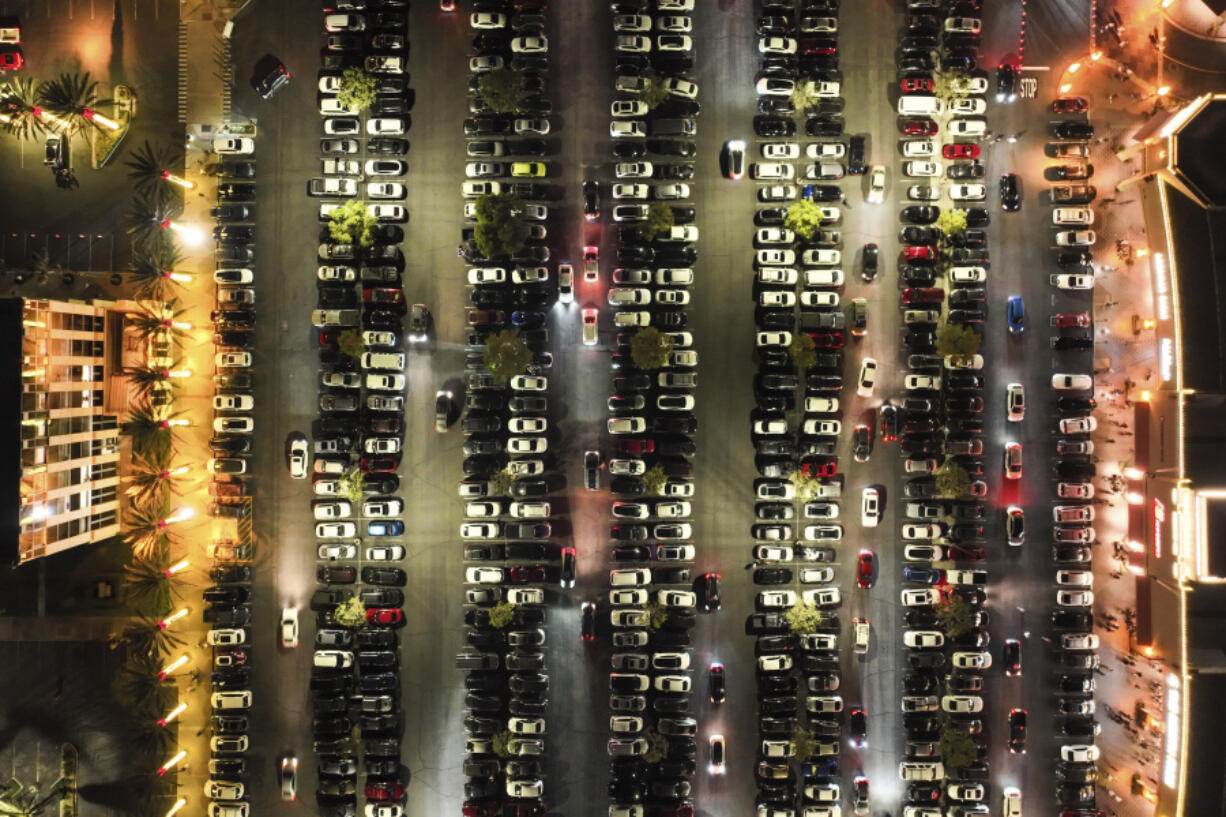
[{"x": 662, "y": 233}]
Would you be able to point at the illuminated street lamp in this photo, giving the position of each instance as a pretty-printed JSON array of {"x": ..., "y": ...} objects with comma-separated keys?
[
  {"x": 99, "y": 119},
  {"x": 172, "y": 714},
  {"x": 170, "y": 764},
  {"x": 181, "y": 515},
  {"x": 1065, "y": 88},
  {"x": 1133, "y": 473},
  {"x": 179, "y": 804},
  {"x": 172, "y": 618},
  {"x": 182, "y": 564},
  {"x": 179, "y": 180},
  {"x": 1133, "y": 498},
  {"x": 191, "y": 235},
  {"x": 172, "y": 666}
]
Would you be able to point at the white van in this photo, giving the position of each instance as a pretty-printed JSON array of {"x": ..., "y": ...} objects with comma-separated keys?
[
  {"x": 383, "y": 360},
  {"x": 823, "y": 277},
  {"x": 863, "y": 632},
  {"x": 919, "y": 105},
  {"x": 232, "y": 699},
  {"x": 921, "y": 770}
]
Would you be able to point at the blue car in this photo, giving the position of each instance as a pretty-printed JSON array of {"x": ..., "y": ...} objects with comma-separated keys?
[
  {"x": 1016, "y": 314},
  {"x": 820, "y": 768},
  {"x": 527, "y": 320},
  {"x": 923, "y": 575},
  {"x": 385, "y": 527}
]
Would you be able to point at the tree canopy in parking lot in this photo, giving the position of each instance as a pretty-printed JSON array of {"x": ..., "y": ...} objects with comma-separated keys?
[
  {"x": 803, "y": 351},
  {"x": 657, "y": 745},
  {"x": 357, "y": 90},
  {"x": 804, "y": 618},
  {"x": 350, "y": 613},
  {"x": 656, "y": 93},
  {"x": 803, "y": 743},
  {"x": 660, "y": 219},
  {"x": 501, "y": 614},
  {"x": 654, "y": 479},
  {"x": 352, "y": 223},
  {"x": 804, "y": 216},
  {"x": 501, "y": 226},
  {"x": 351, "y": 485},
  {"x": 649, "y": 348},
  {"x": 954, "y": 615},
  {"x": 350, "y": 343},
  {"x": 957, "y": 339},
  {"x": 502, "y": 90},
  {"x": 952, "y": 222},
  {"x": 952, "y": 479},
  {"x": 958, "y": 750},
  {"x": 506, "y": 354}
]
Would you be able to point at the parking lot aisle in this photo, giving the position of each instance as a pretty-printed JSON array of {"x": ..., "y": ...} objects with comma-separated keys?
[
  {"x": 581, "y": 87},
  {"x": 721, "y": 319}
]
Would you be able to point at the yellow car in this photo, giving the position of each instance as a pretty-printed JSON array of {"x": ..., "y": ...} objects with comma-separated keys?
[{"x": 522, "y": 170}]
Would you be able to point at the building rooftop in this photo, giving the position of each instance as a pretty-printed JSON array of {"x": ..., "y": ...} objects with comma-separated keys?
[
  {"x": 1199, "y": 255},
  {"x": 1201, "y": 162}
]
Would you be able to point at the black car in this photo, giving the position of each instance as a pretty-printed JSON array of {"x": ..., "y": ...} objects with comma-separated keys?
[
  {"x": 1066, "y": 343},
  {"x": 977, "y": 217},
  {"x": 768, "y": 127},
  {"x": 1010, "y": 192},
  {"x": 966, "y": 170},
  {"x": 1072, "y": 130},
  {"x": 1075, "y": 405},
  {"x": 269, "y": 76},
  {"x": 671, "y": 147},
  {"x": 919, "y": 235},
  {"x": 824, "y": 126},
  {"x": 237, "y": 170},
  {"x": 917, "y": 275},
  {"x": 920, "y": 213},
  {"x": 230, "y": 212}
]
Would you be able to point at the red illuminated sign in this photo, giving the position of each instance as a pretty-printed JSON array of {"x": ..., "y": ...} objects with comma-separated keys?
[{"x": 1159, "y": 519}]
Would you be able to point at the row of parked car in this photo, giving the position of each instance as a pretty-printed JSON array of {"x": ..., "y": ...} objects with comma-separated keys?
[
  {"x": 800, "y": 45},
  {"x": 1075, "y": 644},
  {"x": 653, "y": 595},
  {"x": 359, "y": 435},
  {"x": 939, "y": 422},
  {"x": 508, "y": 528},
  {"x": 227, "y": 612}
]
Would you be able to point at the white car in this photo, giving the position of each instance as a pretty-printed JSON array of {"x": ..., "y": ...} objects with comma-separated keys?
[
  {"x": 230, "y": 145},
  {"x": 870, "y": 507},
  {"x": 968, "y": 192},
  {"x": 335, "y": 552},
  {"x": 781, "y": 46},
  {"x": 385, "y": 552},
  {"x": 1015, "y": 402},
  {"x": 920, "y": 596},
  {"x": 337, "y": 509},
  {"x": 289, "y": 627},
  {"x": 967, "y": 275},
  {"x": 529, "y": 45},
  {"x": 1075, "y": 238},
  {"x": 774, "y": 235},
  {"x": 821, "y": 257},
  {"x": 1074, "y": 578},
  {"x": 777, "y": 299},
  {"x": 1066, "y": 280},
  {"x": 775, "y": 86},
  {"x": 1079, "y": 753},
  {"x": 876, "y": 184},
  {"x": 923, "y": 639},
  {"x": 1072, "y": 216},
  {"x": 777, "y": 192},
  {"x": 385, "y": 190},
  {"x": 1078, "y": 425},
  {"x": 825, "y": 150},
  {"x": 868, "y": 377},
  {"x": 823, "y": 278},
  {"x": 335, "y": 530},
  {"x": 385, "y": 126},
  {"x": 772, "y": 171},
  {"x": 967, "y": 127},
  {"x": 968, "y": 85},
  {"x": 921, "y": 382},
  {"x": 962, "y": 704},
  {"x": 780, "y": 150},
  {"x": 1078, "y": 382},
  {"x": 783, "y": 276},
  {"x": 918, "y": 149},
  {"x": 774, "y": 339},
  {"x": 776, "y": 599},
  {"x": 968, "y": 106},
  {"x": 484, "y": 575},
  {"x": 1075, "y": 490},
  {"x": 1075, "y": 598},
  {"x": 926, "y": 168},
  {"x": 971, "y": 660}
]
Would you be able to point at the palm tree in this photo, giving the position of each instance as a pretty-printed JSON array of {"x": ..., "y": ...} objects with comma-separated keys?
[
  {"x": 145, "y": 221},
  {"x": 146, "y": 637},
  {"x": 150, "y": 430},
  {"x": 146, "y": 581},
  {"x": 72, "y": 97},
  {"x": 152, "y": 475},
  {"x": 157, "y": 320},
  {"x": 140, "y": 688},
  {"x": 152, "y": 740},
  {"x": 147, "y": 168},
  {"x": 152, "y": 268},
  {"x": 147, "y": 531},
  {"x": 18, "y": 106}
]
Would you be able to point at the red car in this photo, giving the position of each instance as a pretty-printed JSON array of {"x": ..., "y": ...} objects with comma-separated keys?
[
  {"x": 12, "y": 60},
  {"x": 961, "y": 150},
  {"x": 1069, "y": 104},
  {"x": 828, "y": 340},
  {"x": 965, "y": 553},
  {"x": 922, "y": 295},
  {"x": 384, "y": 789},
  {"x": 387, "y": 616},
  {"x": 820, "y": 469},
  {"x": 1072, "y": 320},
  {"x": 636, "y": 446},
  {"x": 237, "y": 657},
  {"x": 379, "y": 465},
  {"x": 526, "y": 574},
  {"x": 481, "y": 808},
  {"x": 919, "y": 127},
  {"x": 912, "y": 84},
  {"x": 383, "y": 296},
  {"x": 486, "y": 317},
  {"x": 864, "y": 569},
  {"x": 330, "y": 336},
  {"x": 536, "y": 809},
  {"x": 923, "y": 252}
]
